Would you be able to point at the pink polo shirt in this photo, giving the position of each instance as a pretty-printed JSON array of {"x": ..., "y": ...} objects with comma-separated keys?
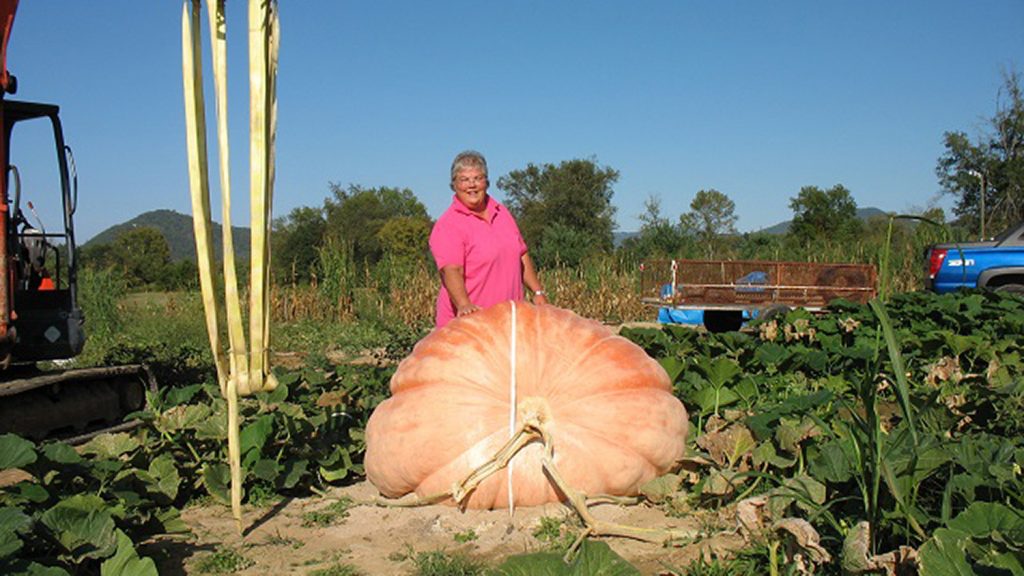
[{"x": 490, "y": 251}]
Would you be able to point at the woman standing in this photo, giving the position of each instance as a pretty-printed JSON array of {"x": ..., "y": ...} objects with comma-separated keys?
[{"x": 477, "y": 246}]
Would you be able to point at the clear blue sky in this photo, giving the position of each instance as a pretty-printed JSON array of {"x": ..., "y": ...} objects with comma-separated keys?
[{"x": 755, "y": 99}]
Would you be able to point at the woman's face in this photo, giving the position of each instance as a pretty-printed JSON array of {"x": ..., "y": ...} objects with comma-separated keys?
[{"x": 470, "y": 187}]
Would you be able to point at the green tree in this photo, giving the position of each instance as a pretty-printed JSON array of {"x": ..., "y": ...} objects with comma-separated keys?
[
  {"x": 355, "y": 215},
  {"x": 575, "y": 195},
  {"x": 995, "y": 159},
  {"x": 405, "y": 237},
  {"x": 657, "y": 237},
  {"x": 823, "y": 216},
  {"x": 295, "y": 240},
  {"x": 712, "y": 215},
  {"x": 143, "y": 255}
]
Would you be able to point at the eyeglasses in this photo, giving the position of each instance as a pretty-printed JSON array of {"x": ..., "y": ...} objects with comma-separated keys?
[{"x": 474, "y": 179}]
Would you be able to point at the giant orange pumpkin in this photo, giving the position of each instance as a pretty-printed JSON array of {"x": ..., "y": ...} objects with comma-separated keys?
[{"x": 612, "y": 419}]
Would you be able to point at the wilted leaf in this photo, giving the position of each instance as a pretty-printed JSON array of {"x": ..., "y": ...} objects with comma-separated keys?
[
  {"x": 805, "y": 537},
  {"x": 729, "y": 446},
  {"x": 661, "y": 487},
  {"x": 183, "y": 417}
]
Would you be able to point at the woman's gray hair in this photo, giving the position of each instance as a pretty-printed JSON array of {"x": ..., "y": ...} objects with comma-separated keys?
[{"x": 468, "y": 159}]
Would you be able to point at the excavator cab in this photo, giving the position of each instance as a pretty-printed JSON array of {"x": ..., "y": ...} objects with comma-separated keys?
[{"x": 45, "y": 320}]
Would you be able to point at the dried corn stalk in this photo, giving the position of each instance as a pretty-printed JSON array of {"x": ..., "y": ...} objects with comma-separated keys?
[{"x": 237, "y": 371}]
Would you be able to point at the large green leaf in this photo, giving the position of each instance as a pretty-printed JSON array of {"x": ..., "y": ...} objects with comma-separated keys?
[
  {"x": 16, "y": 452},
  {"x": 126, "y": 561},
  {"x": 217, "y": 480},
  {"x": 593, "y": 559},
  {"x": 61, "y": 453},
  {"x": 83, "y": 525},
  {"x": 673, "y": 366},
  {"x": 294, "y": 470},
  {"x": 12, "y": 522},
  {"x": 990, "y": 520},
  {"x": 719, "y": 371},
  {"x": 162, "y": 476},
  {"x": 254, "y": 436},
  {"x": 831, "y": 462},
  {"x": 944, "y": 554},
  {"x": 111, "y": 446}
]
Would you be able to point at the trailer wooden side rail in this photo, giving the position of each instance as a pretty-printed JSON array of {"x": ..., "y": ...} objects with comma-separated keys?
[{"x": 753, "y": 284}]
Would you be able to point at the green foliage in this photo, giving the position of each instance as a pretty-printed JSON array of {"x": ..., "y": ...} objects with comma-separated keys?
[
  {"x": 712, "y": 215},
  {"x": 333, "y": 513},
  {"x": 909, "y": 406},
  {"x": 294, "y": 240},
  {"x": 592, "y": 559},
  {"x": 824, "y": 216},
  {"x": 336, "y": 570},
  {"x": 83, "y": 511},
  {"x": 657, "y": 237},
  {"x": 223, "y": 561},
  {"x": 440, "y": 563},
  {"x": 575, "y": 194},
  {"x": 997, "y": 164},
  {"x": 356, "y": 216}
]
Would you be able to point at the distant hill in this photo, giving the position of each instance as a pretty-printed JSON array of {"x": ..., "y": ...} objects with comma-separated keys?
[
  {"x": 864, "y": 214},
  {"x": 177, "y": 229}
]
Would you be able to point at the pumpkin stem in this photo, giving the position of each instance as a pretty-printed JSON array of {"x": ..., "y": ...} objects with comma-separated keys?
[{"x": 528, "y": 432}]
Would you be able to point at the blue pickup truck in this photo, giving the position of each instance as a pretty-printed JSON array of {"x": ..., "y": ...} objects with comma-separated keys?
[{"x": 996, "y": 264}]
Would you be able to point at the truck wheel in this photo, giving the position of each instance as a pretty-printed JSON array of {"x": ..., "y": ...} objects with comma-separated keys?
[
  {"x": 1017, "y": 289},
  {"x": 723, "y": 320}
]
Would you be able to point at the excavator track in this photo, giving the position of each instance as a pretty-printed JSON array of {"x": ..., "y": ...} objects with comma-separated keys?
[{"x": 73, "y": 405}]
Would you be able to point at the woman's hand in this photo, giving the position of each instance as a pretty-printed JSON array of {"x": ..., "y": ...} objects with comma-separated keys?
[{"x": 466, "y": 309}]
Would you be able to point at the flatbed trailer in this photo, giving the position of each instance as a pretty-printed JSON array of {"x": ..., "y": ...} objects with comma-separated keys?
[{"x": 729, "y": 290}]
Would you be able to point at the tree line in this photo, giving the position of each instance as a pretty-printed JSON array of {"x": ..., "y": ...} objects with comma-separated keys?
[{"x": 566, "y": 213}]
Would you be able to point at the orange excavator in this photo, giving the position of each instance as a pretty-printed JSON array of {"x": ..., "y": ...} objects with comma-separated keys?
[{"x": 40, "y": 319}]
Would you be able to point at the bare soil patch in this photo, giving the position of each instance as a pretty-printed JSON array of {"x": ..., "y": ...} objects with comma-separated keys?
[{"x": 384, "y": 540}]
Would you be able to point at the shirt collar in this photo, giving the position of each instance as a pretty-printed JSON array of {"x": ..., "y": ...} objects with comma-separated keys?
[{"x": 493, "y": 207}]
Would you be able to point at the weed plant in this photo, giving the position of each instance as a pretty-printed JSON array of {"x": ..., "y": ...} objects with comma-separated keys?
[
  {"x": 441, "y": 563},
  {"x": 223, "y": 561}
]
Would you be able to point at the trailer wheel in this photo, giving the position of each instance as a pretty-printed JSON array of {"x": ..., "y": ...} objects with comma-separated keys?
[
  {"x": 723, "y": 320},
  {"x": 774, "y": 312}
]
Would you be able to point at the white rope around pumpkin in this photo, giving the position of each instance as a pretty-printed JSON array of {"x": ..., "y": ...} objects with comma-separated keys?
[{"x": 512, "y": 405}]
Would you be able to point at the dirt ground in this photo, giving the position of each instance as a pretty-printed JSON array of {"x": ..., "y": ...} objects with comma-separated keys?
[{"x": 384, "y": 540}]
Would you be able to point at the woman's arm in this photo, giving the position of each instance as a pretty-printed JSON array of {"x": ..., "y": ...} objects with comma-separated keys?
[
  {"x": 532, "y": 281},
  {"x": 454, "y": 281}
]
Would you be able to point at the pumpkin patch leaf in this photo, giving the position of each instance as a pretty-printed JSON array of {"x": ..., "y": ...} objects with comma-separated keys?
[
  {"x": 83, "y": 526},
  {"x": 592, "y": 559},
  {"x": 217, "y": 481},
  {"x": 16, "y": 452},
  {"x": 126, "y": 561},
  {"x": 111, "y": 446}
]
